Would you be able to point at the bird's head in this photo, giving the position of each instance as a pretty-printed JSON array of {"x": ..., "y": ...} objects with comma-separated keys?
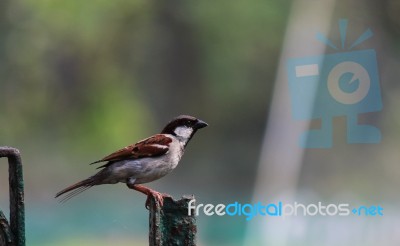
[{"x": 184, "y": 127}]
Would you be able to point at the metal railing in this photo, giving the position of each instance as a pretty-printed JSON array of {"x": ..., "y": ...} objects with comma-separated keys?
[{"x": 13, "y": 233}]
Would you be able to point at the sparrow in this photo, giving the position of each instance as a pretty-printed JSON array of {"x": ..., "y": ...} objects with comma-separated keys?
[{"x": 143, "y": 162}]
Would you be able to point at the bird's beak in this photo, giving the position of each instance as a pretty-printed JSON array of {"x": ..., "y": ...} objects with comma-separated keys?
[{"x": 200, "y": 124}]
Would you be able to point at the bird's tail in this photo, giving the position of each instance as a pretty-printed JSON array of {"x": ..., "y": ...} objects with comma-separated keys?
[{"x": 76, "y": 189}]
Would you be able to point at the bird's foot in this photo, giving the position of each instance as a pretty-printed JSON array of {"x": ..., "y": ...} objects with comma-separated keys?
[{"x": 158, "y": 197}]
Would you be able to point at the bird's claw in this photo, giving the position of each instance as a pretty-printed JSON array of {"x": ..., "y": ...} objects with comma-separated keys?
[{"x": 158, "y": 197}]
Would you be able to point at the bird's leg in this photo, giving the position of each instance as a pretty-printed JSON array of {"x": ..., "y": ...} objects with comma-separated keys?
[{"x": 159, "y": 197}]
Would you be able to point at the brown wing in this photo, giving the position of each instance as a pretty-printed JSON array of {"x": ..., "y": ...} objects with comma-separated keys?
[{"x": 153, "y": 146}]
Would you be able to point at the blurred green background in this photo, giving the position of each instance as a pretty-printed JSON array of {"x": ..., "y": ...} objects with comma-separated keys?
[{"x": 80, "y": 79}]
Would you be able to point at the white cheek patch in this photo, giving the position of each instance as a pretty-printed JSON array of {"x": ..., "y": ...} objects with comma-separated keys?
[{"x": 183, "y": 131}]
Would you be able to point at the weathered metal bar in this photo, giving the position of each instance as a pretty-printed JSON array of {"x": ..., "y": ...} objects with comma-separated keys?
[
  {"x": 5, "y": 232},
  {"x": 170, "y": 224},
  {"x": 16, "y": 190}
]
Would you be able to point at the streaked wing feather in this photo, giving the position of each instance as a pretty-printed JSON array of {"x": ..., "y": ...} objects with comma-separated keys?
[
  {"x": 118, "y": 155},
  {"x": 150, "y": 147}
]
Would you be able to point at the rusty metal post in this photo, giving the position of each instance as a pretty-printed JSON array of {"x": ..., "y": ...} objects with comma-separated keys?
[
  {"x": 170, "y": 224},
  {"x": 16, "y": 191}
]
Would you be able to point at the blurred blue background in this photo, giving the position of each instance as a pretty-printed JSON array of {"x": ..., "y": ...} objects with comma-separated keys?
[{"x": 80, "y": 79}]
